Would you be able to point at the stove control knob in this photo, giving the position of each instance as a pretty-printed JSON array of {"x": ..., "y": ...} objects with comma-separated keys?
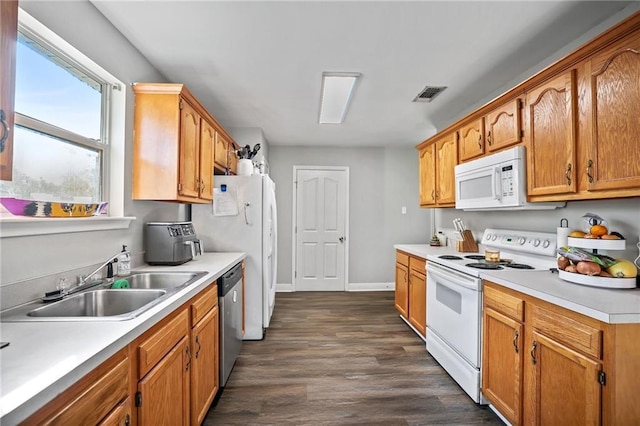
[
  {"x": 488, "y": 237},
  {"x": 521, "y": 241},
  {"x": 495, "y": 237},
  {"x": 546, "y": 243},
  {"x": 536, "y": 242}
]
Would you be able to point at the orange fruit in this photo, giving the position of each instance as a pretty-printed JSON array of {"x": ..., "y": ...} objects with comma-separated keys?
[
  {"x": 610, "y": 237},
  {"x": 577, "y": 234},
  {"x": 598, "y": 230}
]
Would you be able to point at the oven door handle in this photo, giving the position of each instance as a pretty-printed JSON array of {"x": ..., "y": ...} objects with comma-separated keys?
[{"x": 453, "y": 277}]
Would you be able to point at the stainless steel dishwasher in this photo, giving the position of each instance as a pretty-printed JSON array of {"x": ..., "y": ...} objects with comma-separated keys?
[{"x": 230, "y": 303}]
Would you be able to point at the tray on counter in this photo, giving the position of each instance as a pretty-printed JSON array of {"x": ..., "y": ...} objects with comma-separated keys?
[{"x": 603, "y": 282}]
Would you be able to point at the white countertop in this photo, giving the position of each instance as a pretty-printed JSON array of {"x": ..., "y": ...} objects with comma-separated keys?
[
  {"x": 617, "y": 306},
  {"x": 45, "y": 358}
]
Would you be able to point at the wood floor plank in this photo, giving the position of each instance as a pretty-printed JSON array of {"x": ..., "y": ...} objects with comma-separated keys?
[{"x": 333, "y": 358}]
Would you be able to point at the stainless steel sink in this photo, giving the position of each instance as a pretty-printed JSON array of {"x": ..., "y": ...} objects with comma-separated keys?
[
  {"x": 102, "y": 303},
  {"x": 162, "y": 280},
  {"x": 99, "y": 303}
]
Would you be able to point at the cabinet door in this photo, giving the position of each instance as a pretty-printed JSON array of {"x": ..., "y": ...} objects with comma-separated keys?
[
  {"x": 471, "y": 140},
  {"x": 207, "y": 146},
  {"x": 205, "y": 373},
  {"x": 164, "y": 392},
  {"x": 563, "y": 384},
  {"x": 615, "y": 94},
  {"x": 427, "y": 172},
  {"x": 120, "y": 416},
  {"x": 8, "y": 36},
  {"x": 220, "y": 155},
  {"x": 504, "y": 126},
  {"x": 232, "y": 159},
  {"x": 402, "y": 289},
  {"x": 551, "y": 119},
  {"x": 446, "y": 160},
  {"x": 189, "y": 151},
  {"x": 502, "y": 357},
  {"x": 418, "y": 301}
]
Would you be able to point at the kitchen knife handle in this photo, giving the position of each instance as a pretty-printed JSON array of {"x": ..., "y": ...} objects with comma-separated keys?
[{"x": 515, "y": 340}]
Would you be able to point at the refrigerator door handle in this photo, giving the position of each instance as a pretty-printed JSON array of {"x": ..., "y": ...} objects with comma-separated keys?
[{"x": 246, "y": 216}]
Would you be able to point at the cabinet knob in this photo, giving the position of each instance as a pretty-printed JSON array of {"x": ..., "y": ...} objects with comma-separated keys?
[
  {"x": 533, "y": 352},
  {"x": 567, "y": 174}
]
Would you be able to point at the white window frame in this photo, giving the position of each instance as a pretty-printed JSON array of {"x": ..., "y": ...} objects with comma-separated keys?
[{"x": 114, "y": 161}]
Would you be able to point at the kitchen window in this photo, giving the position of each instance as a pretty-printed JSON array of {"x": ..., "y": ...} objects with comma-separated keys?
[{"x": 69, "y": 131}]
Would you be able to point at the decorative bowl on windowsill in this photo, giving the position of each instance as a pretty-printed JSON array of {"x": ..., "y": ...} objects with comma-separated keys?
[{"x": 20, "y": 207}]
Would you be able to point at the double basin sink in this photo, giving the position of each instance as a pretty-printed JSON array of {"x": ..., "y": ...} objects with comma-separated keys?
[{"x": 146, "y": 289}]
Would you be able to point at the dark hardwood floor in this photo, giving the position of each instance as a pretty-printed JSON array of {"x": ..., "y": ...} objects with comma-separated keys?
[{"x": 341, "y": 359}]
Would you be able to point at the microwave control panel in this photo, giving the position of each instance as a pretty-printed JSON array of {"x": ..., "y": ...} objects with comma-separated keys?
[{"x": 508, "y": 180}]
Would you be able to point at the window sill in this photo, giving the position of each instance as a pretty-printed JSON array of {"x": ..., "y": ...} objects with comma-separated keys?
[{"x": 26, "y": 226}]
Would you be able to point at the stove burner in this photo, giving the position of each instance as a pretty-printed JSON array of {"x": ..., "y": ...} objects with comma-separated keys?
[
  {"x": 482, "y": 265},
  {"x": 518, "y": 266},
  {"x": 475, "y": 257},
  {"x": 449, "y": 257}
]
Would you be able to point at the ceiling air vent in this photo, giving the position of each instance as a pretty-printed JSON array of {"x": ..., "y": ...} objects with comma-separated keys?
[{"x": 428, "y": 93}]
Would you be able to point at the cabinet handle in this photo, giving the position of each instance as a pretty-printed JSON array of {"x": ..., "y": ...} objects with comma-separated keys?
[
  {"x": 515, "y": 340},
  {"x": 202, "y": 186},
  {"x": 489, "y": 137},
  {"x": 533, "y": 352},
  {"x": 5, "y": 129},
  {"x": 589, "y": 165},
  {"x": 567, "y": 174},
  {"x": 433, "y": 194},
  {"x": 127, "y": 420},
  {"x": 479, "y": 141},
  {"x": 188, "y": 359},
  {"x": 199, "y": 346}
]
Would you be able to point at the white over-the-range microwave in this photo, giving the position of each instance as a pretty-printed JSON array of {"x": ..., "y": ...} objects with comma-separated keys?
[{"x": 496, "y": 182}]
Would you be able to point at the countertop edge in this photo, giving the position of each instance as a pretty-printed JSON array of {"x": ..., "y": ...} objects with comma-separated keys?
[{"x": 24, "y": 405}]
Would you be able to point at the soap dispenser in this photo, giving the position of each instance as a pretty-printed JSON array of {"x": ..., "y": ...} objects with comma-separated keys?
[{"x": 124, "y": 262}]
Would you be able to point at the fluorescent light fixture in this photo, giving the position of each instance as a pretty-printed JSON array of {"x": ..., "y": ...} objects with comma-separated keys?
[{"x": 337, "y": 89}]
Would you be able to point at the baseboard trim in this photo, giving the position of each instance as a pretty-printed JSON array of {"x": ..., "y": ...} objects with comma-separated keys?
[
  {"x": 284, "y": 288},
  {"x": 288, "y": 287}
]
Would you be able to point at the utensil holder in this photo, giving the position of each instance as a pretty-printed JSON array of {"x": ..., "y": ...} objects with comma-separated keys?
[{"x": 468, "y": 243}]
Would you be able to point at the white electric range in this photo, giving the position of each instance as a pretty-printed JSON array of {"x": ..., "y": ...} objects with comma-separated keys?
[{"x": 454, "y": 298}]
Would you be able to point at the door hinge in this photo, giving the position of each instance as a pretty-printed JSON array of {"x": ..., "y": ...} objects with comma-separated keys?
[
  {"x": 522, "y": 133},
  {"x": 602, "y": 378},
  {"x": 138, "y": 399},
  {"x": 520, "y": 104},
  {"x": 181, "y": 105}
]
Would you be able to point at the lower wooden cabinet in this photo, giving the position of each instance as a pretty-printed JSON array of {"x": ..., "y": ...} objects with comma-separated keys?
[
  {"x": 100, "y": 397},
  {"x": 120, "y": 416},
  {"x": 411, "y": 290},
  {"x": 205, "y": 370},
  {"x": 543, "y": 364}
]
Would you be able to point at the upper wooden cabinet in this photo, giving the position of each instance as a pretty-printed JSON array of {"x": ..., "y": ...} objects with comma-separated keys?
[
  {"x": 471, "y": 142},
  {"x": 175, "y": 141},
  {"x": 577, "y": 118},
  {"x": 8, "y": 37},
  {"x": 436, "y": 170},
  {"x": 503, "y": 125},
  {"x": 226, "y": 160},
  {"x": 611, "y": 148},
  {"x": 551, "y": 132}
]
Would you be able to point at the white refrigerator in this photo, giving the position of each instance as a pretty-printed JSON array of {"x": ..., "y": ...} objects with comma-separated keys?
[{"x": 243, "y": 217}]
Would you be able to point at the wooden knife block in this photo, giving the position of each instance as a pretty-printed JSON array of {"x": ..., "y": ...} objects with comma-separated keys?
[{"x": 468, "y": 243}]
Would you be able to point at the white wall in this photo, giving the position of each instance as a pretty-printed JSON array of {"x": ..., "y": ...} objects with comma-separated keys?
[
  {"x": 382, "y": 180},
  {"x": 26, "y": 258}
]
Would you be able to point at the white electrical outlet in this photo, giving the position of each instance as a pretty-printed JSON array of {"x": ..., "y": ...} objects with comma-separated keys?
[{"x": 404, "y": 210}]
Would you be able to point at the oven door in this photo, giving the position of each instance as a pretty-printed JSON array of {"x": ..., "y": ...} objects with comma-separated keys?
[{"x": 453, "y": 310}]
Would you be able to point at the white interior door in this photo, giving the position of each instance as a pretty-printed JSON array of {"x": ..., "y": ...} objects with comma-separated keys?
[{"x": 321, "y": 211}]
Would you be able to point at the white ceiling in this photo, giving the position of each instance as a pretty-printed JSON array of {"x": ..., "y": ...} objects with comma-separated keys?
[{"x": 259, "y": 63}]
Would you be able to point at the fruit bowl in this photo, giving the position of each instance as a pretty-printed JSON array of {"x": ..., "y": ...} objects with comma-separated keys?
[
  {"x": 596, "y": 243},
  {"x": 20, "y": 207},
  {"x": 594, "y": 281}
]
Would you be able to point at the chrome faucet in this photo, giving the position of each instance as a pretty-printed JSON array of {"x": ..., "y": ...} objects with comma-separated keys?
[{"x": 83, "y": 283}]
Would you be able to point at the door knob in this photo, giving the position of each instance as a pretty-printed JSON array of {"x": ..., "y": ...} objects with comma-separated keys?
[{"x": 341, "y": 239}]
